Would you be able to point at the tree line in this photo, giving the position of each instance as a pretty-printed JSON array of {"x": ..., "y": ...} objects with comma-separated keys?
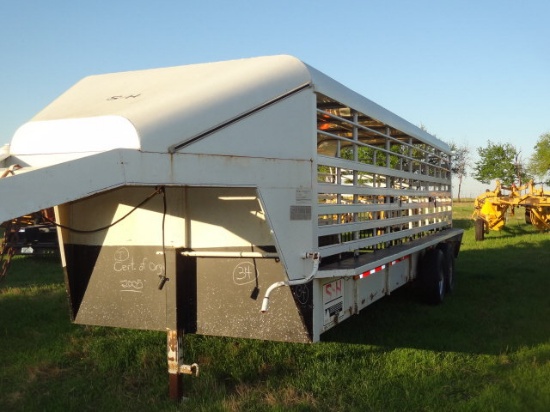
[{"x": 503, "y": 161}]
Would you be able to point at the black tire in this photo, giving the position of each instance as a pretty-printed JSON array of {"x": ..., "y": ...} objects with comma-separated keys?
[
  {"x": 432, "y": 276},
  {"x": 449, "y": 266},
  {"x": 479, "y": 229}
]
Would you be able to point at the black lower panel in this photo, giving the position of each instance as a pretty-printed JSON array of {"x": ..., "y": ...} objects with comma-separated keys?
[
  {"x": 222, "y": 296},
  {"x": 118, "y": 286},
  {"x": 229, "y": 300}
]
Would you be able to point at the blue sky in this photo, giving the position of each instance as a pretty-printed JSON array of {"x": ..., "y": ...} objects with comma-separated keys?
[{"x": 468, "y": 70}]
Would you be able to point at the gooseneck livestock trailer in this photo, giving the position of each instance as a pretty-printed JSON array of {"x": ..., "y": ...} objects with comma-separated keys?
[{"x": 253, "y": 198}]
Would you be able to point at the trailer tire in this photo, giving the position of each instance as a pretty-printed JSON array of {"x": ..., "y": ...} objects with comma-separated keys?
[
  {"x": 432, "y": 276},
  {"x": 449, "y": 265},
  {"x": 479, "y": 229}
]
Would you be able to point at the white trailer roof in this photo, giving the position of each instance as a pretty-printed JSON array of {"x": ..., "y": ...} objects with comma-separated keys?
[
  {"x": 156, "y": 110},
  {"x": 152, "y": 110}
]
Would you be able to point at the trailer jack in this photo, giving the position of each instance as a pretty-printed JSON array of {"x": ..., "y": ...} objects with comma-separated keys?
[{"x": 176, "y": 368}]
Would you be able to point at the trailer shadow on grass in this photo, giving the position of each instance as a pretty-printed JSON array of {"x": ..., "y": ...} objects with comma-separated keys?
[{"x": 500, "y": 303}]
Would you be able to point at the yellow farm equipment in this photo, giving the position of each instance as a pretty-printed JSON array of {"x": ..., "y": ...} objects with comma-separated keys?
[{"x": 492, "y": 207}]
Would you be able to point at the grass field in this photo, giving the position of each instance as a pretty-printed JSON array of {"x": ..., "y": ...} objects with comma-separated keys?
[{"x": 486, "y": 348}]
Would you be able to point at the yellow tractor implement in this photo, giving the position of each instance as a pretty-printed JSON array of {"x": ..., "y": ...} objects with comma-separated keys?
[{"x": 491, "y": 208}]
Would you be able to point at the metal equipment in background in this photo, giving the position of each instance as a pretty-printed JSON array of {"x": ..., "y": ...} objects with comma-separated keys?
[
  {"x": 492, "y": 207},
  {"x": 30, "y": 235}
]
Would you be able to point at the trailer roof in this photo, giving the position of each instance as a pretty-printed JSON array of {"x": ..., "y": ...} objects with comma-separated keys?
[{"x": 157, "y": 109}]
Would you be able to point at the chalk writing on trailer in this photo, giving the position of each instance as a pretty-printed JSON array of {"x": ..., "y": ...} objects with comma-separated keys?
[
  {"x": 124, "y": 262},
  {"x": 244, "y": 272}
]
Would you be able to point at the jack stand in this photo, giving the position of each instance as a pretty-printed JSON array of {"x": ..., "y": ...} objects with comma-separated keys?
[{"x": 176, "y": 368}]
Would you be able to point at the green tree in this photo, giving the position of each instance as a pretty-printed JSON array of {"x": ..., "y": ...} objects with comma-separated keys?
[
  {"x": 539, "y": 163},
  {"x": 460, "y": 162},
  {"x": 499, "y": 161}
]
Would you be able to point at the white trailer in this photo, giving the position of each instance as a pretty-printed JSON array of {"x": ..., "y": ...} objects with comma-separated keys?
[{"x": 253, "y": 198}]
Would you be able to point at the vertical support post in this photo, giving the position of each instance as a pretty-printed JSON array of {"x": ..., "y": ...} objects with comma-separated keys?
[
  {"x": 176, "y": 368},
  {"x": 175, "y": 359},
  {"x": 178, "y": 306}
]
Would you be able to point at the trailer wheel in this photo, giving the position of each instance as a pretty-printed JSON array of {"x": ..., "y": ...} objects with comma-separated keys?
[
  {"x": 479, "y": 229},
  {"x": 449, "y": 265},
  {"x": 432, "y": 276}
]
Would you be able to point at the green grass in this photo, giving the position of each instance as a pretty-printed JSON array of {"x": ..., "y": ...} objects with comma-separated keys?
[{"x": 487, "y": 348}]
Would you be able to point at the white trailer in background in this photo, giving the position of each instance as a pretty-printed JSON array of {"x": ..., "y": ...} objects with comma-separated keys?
[{"x": 253, "y": 198}]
